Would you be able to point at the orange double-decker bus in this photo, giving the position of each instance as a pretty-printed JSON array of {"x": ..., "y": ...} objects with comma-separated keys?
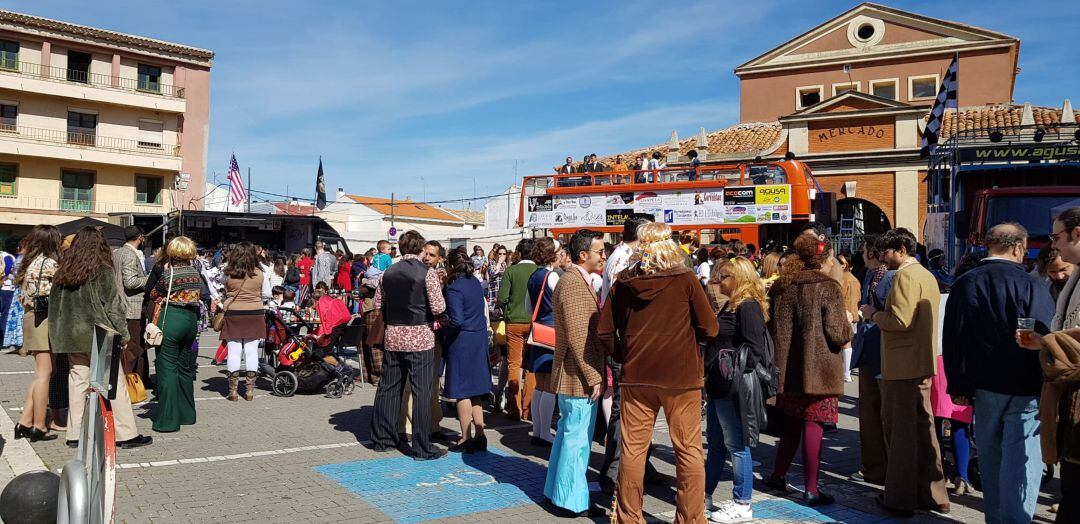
[{"x": 756, "y": 202}]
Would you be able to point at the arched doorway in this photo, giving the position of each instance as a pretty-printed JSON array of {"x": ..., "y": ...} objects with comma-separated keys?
[{"x": 858, "y": 217}]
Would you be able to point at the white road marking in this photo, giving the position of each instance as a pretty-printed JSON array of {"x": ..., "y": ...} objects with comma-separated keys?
[
  {"x": 31, "y": 372},
  {"x": 146, "y": 403},
  {"x": 238, "y": 456}
]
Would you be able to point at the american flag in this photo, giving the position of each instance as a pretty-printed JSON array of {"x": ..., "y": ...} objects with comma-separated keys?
[
  {"x": 946, "y": 98},
  {"x": 237, "y": 193}
]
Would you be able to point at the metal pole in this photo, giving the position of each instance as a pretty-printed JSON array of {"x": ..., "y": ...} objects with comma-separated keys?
[
  {"x": 249, "y": 190},
  {"x": 391, "y": 209}
]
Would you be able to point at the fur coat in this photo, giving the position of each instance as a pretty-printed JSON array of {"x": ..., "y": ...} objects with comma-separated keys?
[{"x": 809, "y": 327}]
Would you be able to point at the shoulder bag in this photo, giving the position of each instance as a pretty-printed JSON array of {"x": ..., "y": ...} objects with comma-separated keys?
[
  {"x": 218, "y": 321},
  {"x": 153, "y": 334},
  {"x": 41, "y": 302},
  {"x": 540, "y": 334}
]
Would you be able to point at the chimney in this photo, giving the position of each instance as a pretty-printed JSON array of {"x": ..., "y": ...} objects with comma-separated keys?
[
  {"x": 673, "y": 148},
  {"x": 340, "y": 195},
  {"x": 702, "y": 145},
  {"x": 1067, "y": 115}
]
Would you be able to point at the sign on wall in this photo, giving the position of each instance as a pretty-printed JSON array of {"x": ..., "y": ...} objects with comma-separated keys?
[{"x": 763, "y": 204}]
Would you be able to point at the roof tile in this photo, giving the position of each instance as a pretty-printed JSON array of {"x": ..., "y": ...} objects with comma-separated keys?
[{"x": 405, "y": 208}]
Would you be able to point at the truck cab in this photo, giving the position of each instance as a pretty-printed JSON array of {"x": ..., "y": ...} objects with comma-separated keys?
[{"x": 1032, "y": 207}]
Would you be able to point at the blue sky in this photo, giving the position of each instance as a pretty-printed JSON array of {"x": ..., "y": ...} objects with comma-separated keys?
[{"x": 435, "y": 98}]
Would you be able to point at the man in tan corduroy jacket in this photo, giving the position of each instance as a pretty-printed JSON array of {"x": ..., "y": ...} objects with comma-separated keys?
[{"x": 908, "y": 323}]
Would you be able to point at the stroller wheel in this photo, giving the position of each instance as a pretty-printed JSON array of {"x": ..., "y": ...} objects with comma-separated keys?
[
  {"x": 284, "y": 383},
  {"x": 349, "y": 383},
  {"x": 334, "y": 389}
]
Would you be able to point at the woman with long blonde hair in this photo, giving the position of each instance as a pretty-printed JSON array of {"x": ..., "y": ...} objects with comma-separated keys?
[
  {"x": 736, "y": 406},
  {"x": 652, "y": 322}
]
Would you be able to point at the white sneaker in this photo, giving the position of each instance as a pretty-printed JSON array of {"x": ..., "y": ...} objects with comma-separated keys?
[
  {"x": 710, "y": 507},
  {"x": 731, "y": 512}
]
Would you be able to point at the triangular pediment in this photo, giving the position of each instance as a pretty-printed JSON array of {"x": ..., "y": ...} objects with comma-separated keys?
[{"x": 870, "y": 31}]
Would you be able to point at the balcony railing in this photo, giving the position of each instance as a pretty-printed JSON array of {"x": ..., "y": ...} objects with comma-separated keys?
[
  {"x": 47, "y": 204},
  {"x": 75, "y": 76},
  {"x": 87, "y": 140}
]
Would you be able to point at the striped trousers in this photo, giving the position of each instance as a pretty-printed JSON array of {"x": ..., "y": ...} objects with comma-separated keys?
[{"x": 398, "y": 366}]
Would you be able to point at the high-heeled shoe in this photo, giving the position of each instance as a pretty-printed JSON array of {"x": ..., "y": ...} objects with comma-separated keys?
[
  {"x": 460, "y": 447},
  {"x": 37, "y": 434},
  {"x": 21, "y": 431}
]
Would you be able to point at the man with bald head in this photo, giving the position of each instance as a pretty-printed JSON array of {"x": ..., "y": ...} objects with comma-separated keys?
[{"x": 985, "y": 365}]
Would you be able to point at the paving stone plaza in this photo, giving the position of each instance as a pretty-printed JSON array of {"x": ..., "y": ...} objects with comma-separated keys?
[{"x": 302, "y": 459}]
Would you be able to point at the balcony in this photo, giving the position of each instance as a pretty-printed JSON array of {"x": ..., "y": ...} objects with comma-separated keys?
[
  {"x": 72, "y": 83},
  {"x": 87, "y": 147},
  {"x": 45, "y": 205}
]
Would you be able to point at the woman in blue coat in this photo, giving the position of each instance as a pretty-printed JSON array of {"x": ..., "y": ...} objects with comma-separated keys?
[{"x": 468, "y": 379}]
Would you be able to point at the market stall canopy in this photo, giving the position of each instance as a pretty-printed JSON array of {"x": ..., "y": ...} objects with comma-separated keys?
[{"x": 114, "y": 234}]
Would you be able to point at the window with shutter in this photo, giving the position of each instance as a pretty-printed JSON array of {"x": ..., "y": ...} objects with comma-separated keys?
[
  {"x": 76, "y": 191},
  {"x": 9, "y": 115},
  {"x": 81, "y": 128},
  {"x": 150, "y": 133},
  {"x": 148, "y": 189},
  {"x": 9, "y": 54},
  {"x": 8, "y": 174},
  {"x": 149, "y": 78}
]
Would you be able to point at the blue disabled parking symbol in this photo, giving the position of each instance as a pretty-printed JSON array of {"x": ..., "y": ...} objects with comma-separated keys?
[{"x": 459, "y": 484}]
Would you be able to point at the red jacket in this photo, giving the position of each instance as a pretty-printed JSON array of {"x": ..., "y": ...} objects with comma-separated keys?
[{"x": 304, "y": 265}]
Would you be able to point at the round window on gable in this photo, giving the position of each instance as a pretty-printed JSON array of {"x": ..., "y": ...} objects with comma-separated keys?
[{"x": 866, "y": 32}]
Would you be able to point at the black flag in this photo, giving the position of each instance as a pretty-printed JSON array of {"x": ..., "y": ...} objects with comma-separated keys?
[{"x": 320, "y": 188}]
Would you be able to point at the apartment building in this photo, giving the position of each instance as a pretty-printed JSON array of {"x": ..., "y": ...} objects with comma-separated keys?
[{"x": 94, "y": 122}]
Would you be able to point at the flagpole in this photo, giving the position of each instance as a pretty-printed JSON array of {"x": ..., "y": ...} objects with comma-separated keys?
[{"x": 249, "y": 190}]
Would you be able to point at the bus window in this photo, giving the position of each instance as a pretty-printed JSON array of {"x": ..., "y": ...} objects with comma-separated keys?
[{"x": 770, "y": 174}]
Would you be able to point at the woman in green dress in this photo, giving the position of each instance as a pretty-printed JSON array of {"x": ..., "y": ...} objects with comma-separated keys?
[{"x": 177, "y": 313}]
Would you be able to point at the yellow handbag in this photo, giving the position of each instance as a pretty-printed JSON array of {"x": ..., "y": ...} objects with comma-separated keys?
[
  {"x": 135, "y": 388},
  {"x": 499, "y": 338}
]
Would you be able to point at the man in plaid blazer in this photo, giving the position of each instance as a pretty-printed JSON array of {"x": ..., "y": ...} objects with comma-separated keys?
[
  {"x": 131, "y": 276},
  {"x": 577, "y": 373}
]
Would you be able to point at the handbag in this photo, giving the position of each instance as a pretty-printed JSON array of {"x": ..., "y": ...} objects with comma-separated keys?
[
  {"x": 152, "y": 334},
  {"x": 136, "y": 390},
  {"x": 218, "y": 320},
  {"x": 41, "y": 302},
  {"x": 540, "y": 334}
]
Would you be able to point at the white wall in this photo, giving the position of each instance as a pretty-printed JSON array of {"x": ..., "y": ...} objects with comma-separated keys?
[
  {"x": 501, "y": 212},
  {"x": 362, "y": 241}
]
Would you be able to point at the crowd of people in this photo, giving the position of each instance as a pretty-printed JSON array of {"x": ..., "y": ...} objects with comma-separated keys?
[{"x": 612, "y": 335}]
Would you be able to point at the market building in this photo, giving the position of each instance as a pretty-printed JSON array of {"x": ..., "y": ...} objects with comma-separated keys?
[
  {"x": 850, "y": 98},
  {"x": 94, "y": 122}
]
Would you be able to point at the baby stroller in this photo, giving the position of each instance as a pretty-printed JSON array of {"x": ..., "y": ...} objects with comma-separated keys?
[{"x": 304, "y": 362}]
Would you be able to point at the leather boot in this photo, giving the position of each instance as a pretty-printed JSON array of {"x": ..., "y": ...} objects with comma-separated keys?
[
  {"x": 249, "y": 386},
  {"x": 234, "y": 381}
]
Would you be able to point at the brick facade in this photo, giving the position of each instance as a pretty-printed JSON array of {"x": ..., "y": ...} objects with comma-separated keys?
[
  {"x": 877, "y": 188},
  {"x": 852, "y": 134}
]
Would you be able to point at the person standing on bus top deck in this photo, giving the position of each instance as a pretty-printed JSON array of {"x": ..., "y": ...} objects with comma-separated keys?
[
  {"x": 695, "y": 163},
  {"x": 655, "y": 165}
]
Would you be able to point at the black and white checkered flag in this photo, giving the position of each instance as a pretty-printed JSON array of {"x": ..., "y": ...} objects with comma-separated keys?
[{"x": 946, "y": 98}]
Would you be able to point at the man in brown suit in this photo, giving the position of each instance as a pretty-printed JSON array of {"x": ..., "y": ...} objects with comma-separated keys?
[
  {"x": 908, "y": 323},
  {"x": 577, "y": 374}
]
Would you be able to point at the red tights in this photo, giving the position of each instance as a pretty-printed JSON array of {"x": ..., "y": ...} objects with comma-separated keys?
[{"x": 810, "y": 433}]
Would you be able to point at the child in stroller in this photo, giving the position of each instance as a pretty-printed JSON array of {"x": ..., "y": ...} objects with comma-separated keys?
[{"x": 307, "y": 361}]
